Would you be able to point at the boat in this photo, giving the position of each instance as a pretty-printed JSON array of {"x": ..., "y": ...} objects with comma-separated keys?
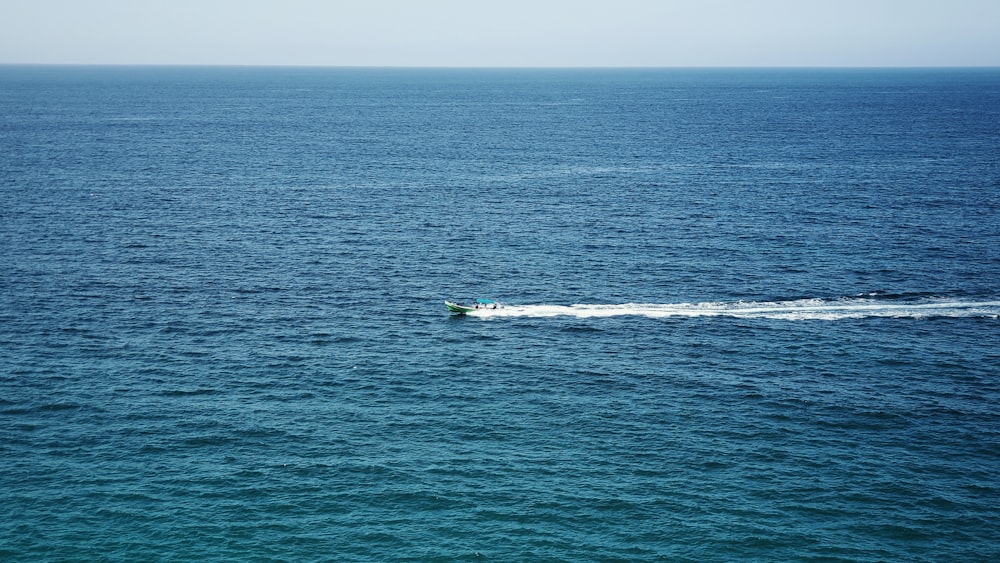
[{"x": 480, "y": 304}]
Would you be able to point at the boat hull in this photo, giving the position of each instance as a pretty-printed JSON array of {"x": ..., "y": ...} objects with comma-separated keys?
[{"x": 456, "y": 308}]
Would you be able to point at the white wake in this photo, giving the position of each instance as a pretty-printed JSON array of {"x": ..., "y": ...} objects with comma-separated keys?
[{"x": 802, "y": 309}]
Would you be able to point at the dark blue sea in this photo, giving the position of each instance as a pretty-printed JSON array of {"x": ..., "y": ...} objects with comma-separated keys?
[{"x": 750, "y": 315}]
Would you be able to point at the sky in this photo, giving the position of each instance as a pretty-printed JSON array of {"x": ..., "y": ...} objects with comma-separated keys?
[{"x": 518, "y": 33}]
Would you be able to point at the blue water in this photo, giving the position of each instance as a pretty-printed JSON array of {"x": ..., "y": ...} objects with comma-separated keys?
[{"x": 751, "y": 314}]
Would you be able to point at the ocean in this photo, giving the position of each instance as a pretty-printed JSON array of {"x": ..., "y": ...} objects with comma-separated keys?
[{"x": 750, "y": 314}]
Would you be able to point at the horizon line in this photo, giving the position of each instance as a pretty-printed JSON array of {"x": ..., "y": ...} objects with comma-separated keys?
[{"x": 501, "y": 67}]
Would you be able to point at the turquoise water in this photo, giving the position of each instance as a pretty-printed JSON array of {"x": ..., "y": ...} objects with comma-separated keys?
[{"x": 751, "y": 314}]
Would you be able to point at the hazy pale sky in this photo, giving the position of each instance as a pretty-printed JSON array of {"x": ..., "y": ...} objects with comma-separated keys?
[{"x": 503, "y": 32}]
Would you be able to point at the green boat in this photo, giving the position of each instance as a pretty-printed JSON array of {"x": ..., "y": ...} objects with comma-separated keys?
[{"x": 463, "y": 309}]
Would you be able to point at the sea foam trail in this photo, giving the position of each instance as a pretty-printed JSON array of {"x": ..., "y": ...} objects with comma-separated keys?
[{"x": 802, "y": 309}]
